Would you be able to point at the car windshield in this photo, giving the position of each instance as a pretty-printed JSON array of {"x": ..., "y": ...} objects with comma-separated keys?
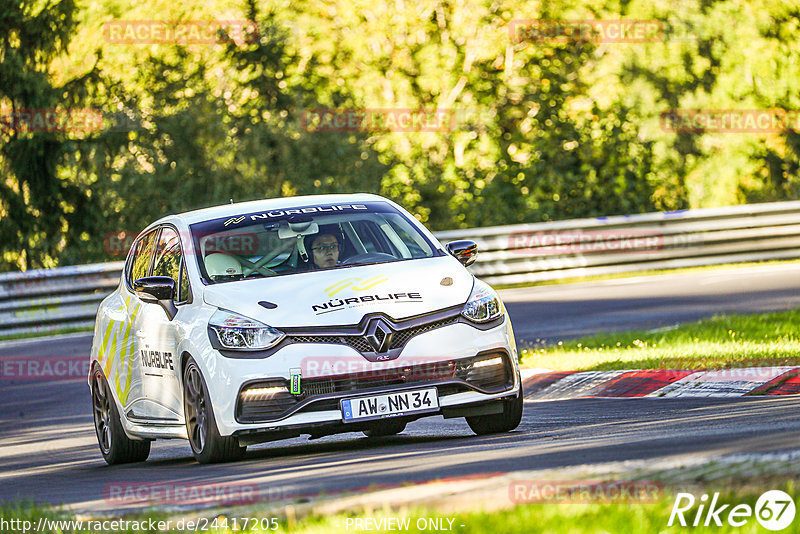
[{"x": 315, "y": 237}]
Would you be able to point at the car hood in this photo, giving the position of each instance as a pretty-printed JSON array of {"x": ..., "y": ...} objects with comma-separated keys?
[{"x": 343, "y": 296}]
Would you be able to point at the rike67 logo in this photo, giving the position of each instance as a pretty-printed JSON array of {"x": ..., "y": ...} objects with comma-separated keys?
[{"x": 774, "y": 510}]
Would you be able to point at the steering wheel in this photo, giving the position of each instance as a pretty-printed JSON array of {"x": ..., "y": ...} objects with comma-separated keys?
[{"x": 369, "y": 257}]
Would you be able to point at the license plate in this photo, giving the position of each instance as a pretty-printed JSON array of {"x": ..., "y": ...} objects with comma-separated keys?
[{"x": 390, "y": 405}]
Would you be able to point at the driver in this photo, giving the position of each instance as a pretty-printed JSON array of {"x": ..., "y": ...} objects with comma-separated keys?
[{"x": 325, "y": 251}]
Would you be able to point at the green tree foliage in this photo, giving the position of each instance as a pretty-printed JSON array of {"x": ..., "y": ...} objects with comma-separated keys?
[
  {"x": 535, "y": 130},
  {"x": 206, "y": 138},
  {"x": 41, "y": 213},
  {"x": 520, "y": 147}
]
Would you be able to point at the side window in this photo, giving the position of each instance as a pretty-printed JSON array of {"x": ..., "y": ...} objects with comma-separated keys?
[
  {"x": 168, "y": 255},
  {"x": 140, "y": 260},
  {"x": 373, "y": 237},
  {"x": 363, "y": 231}
]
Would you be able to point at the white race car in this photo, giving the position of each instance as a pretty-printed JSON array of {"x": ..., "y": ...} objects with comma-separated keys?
[{"x": 265, "y": 320}]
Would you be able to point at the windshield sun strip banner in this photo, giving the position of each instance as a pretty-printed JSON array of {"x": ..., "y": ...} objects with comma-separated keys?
[{"x": 287, "y": 213}]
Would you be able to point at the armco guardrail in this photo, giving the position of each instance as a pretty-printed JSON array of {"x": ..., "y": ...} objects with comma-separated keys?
[
  {"x": 52, "y": 299},
  {"x": 44, "y": 300},
  {"x": 527, "y": 253}
]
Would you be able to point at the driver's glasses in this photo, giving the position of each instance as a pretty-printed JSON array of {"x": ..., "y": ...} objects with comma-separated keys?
[{"x": 323, "y": 248}]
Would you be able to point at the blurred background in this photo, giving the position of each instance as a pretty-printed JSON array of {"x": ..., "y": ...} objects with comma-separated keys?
[{"x": 107, "y": 126}]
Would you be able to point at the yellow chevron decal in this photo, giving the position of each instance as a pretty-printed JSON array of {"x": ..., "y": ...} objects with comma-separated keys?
[
  {"x": 113, "y": 358},
  {"x": 101, "y": 354},
  {"x": 127, "y": 351},
  {"x": 370, "y": 283},
  {"x": 338, "y": 286},
  {"x": 104, "y": 352},
  {"x": 356, "y": 284}
]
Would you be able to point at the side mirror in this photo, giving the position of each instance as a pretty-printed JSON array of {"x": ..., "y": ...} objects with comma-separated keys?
[
  {"x": 157, "y": 290},
  {"x": 464, "y": 251}
]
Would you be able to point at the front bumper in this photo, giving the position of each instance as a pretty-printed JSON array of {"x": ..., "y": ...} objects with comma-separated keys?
[
  {"x": 266, "y": 401},
  {"x": 331, "y": 372},
  {"x": 456, "y": 405}
]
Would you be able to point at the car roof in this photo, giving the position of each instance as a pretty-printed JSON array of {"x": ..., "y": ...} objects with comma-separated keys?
[{"x": 229, "y": 210}]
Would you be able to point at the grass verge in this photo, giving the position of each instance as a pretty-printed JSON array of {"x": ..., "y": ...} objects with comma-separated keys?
[
  {"x": 609, "y": 514},
  {"x": 722, "y": 342}
]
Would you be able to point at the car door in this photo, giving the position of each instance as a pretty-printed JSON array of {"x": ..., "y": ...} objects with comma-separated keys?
[
  {"x": 118, "y": 352},
  {"x": 157, "y": 336}
]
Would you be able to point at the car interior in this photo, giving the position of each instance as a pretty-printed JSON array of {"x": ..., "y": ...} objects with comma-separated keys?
[{"x": 283, "y": 247}]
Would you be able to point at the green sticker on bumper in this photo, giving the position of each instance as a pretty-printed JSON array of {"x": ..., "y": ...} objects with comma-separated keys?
[{"x": 294, "y": 377}]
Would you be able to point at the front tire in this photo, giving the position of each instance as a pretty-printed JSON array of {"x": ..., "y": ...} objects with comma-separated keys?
[
  {"x": 505, "y": 422},
  {"x": 201, "y": 427},
  {"x": 115, "y": 446}
]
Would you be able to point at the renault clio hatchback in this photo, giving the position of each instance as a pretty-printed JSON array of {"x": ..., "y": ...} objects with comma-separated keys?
[{"x": 265, "y": 320}]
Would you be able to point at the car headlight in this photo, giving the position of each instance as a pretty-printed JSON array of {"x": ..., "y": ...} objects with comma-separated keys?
[
  {"x": 236, "y": 331},
  {"x": 483, "y": 305}
]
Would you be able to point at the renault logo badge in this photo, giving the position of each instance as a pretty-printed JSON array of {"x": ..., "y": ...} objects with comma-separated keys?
[{"x": 379, "y": 335}]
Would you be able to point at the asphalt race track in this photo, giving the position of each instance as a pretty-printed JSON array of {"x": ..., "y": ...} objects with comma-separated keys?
[
  {"x": 48, "y": 451},
  {"x": 556, "y": 312}
]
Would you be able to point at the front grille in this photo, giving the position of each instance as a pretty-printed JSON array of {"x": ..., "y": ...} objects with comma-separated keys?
[
  {"x": 357, "y": 342},
  {"x": 429, "y": 372},
  {"x": 360, "y": 343},
  {"x": 489, "y": 372},
  {"x": 401, "y": 337}
]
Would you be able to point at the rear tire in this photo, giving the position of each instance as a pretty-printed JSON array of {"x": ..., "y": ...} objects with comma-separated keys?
[
  {"x": 385, "y": 428},
  {"x": 207, "y": 445},
  {"x": 497, "y": 423},
  {"x": 115, "y": 446}
]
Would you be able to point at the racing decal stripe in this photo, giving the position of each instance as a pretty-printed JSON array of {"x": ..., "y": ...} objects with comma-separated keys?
[
  {"x": 114, "y": 339},
  {"x": 338, "y": 286},
  {"x": 110, "y": 353},
  {"x": 375, "y": 281},
  {"x": 127, "y": 352},
  {"x": 102, "y": 352},
  {"x": 123, "y": 393}
]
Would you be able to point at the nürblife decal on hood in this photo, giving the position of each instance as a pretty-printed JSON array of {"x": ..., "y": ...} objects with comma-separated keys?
[
  {"x": 295, "y": 300},
  {"x": 364, "y": 300}
]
